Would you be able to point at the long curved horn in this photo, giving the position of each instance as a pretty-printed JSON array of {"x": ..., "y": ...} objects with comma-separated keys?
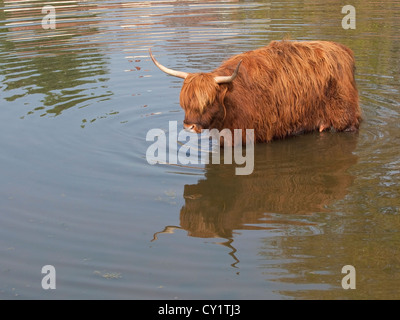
[
  {"x": 227, "y": 79},
  {"x": 171, "y": 72}
]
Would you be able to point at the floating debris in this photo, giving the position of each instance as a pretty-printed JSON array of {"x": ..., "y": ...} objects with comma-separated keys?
[{"x": 108, "y": 275}]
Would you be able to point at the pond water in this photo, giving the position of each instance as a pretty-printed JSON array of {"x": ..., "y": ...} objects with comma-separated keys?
[{"x": 77, "y": 192}]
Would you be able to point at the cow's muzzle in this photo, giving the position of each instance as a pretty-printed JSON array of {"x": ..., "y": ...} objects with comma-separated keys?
[{"x": 192, "y": 127}]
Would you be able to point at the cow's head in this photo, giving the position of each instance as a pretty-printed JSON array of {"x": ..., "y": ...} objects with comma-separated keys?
[{"x": 201, "y": 97}]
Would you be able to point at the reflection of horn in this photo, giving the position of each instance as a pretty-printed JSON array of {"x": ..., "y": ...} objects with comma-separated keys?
[
  {"x": 167, "y": 229},
  {"x": 229, "y": 245},
  {"x": 171, "y": 72},
  {"x": 227, "y": 79}
]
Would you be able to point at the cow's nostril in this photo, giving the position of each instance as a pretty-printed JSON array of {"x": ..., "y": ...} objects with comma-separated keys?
[
  {"x": 186, "y": 125},
  {"x": 189, "y": 127}
]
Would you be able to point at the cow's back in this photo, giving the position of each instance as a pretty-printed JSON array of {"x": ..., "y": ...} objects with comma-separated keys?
[{"x": 291, "y": 87}]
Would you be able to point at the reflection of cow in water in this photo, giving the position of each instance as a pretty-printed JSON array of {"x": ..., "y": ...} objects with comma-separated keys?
[{"x": 301, "y": 176}]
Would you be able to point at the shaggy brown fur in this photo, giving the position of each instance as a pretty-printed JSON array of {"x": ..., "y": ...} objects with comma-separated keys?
[{"x": 283, "y": 89}]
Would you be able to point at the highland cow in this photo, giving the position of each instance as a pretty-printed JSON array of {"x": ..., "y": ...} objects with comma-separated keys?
[{"x": 280, "y": 90}]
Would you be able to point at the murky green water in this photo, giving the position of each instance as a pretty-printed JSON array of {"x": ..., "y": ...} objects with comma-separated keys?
[{"x": 76, "y": 191}]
